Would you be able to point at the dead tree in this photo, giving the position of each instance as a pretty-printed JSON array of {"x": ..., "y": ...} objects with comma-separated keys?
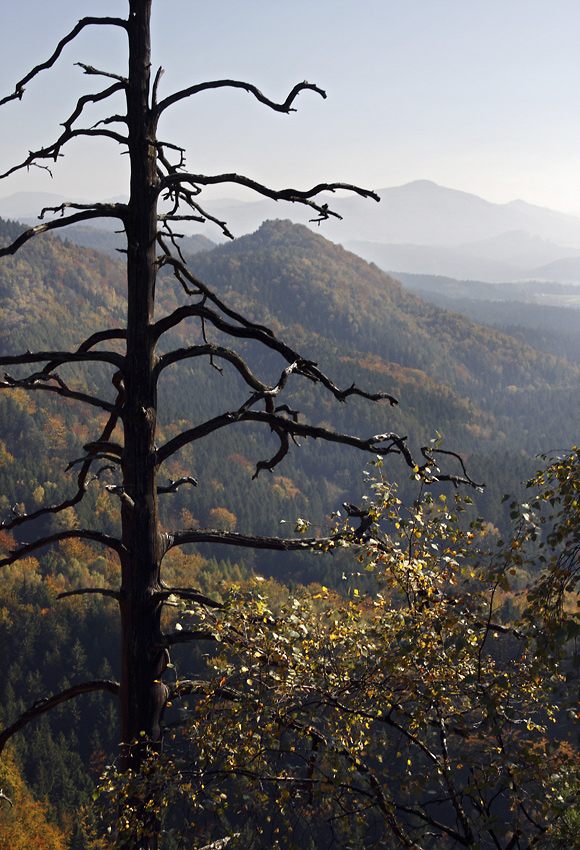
[{"x": 158, "y": 172}]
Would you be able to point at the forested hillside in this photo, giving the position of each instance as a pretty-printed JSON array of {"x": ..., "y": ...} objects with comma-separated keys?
[
  {"x": 297, "y": 277},
  {"x": 488, "y": 394},
  {"x": 542, "y": 314},
  {"x": 301, "y": 280},
  {"x": 494, "y": 398}
]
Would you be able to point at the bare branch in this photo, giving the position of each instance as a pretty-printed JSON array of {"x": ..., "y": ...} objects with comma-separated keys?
[
  {"x": 165, "y": 217},
  {"x": 21, "y": 518},
  {"x": 189, "y": 687},
  {"x": 188, "y": 593},
  {"x": 283, "y": 450},
  {"x": 91, "y": 98},
  {"x": 111, "y": 119},
  {"x": 70, "y": 533},
  {"x": 501, "y": 629},
  {"x": 168, "y": 233},
  {"x": 105, "y": 210},
  {"x": 57, "y": 358},
  {"x": 184, "y": 276},
  {"x": 185, "y": 637},
  {"x": 179, "y": 194},
  {"x": 427, "y": 451},
  {"x": 53, "y": 151},
  {"x": 95, "y": 72},
  {"x": 43, "y": 705},
  {"x": 84, "y": 22},
  {"x": 82, "y": 478},
  {"x": 291, "y": 195},
  {"x": 395, "y": 443},
  {"x": 173, "y": 486},
  {"x": 284, "y": 425},
  {"x": 193, "y": 434},
  {"x": 39, "y": 381},
  {"x": 157, "y": 80},
  {"x": 102, "y": 336},
  {"x": 262, "y": 334},
  {"x": 249, "y": 541},
  {"x": 286, "y": 106},
  {"x": 105, "y": 447},
  {"x": 222, "y": 843},
  {"x": 81, "y": 591},
  {"x": 213, "y": 350},
  {"x": 96, "y": 456},
  {"x": 96, "y": 211}
]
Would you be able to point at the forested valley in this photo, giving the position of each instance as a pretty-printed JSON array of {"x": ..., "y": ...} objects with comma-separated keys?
[{"x": 497, "y": 399}]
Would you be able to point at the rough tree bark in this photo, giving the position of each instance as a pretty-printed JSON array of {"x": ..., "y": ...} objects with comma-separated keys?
[{"x": 151, "y": 244}]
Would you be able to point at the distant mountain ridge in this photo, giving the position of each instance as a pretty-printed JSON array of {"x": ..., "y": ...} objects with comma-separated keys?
[
  {"x": 419, "y": 228},
  {"x": 476, "y": 261},
  {"x": 425, "y": 213}
]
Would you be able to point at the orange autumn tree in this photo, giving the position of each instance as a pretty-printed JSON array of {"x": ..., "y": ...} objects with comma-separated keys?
[{"x": 23, "y": 820}]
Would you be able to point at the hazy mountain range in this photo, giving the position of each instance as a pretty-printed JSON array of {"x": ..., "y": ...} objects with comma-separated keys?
[{"x": 419, "y": 228}]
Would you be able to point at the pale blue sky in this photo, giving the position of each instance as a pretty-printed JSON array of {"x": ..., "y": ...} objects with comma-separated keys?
[{"x": 478, "y": 96}]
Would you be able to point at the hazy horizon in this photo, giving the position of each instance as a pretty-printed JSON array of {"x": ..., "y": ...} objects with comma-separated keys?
[
  {"x": 481, "y": 98},
  {"x": 220, "y": 194}
]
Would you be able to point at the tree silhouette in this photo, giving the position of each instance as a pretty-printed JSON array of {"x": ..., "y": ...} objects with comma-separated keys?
[{"x": 137, "y": 358}]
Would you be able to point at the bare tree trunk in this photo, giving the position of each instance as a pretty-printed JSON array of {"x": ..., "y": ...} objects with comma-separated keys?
[{"x": 142, "y": 695}]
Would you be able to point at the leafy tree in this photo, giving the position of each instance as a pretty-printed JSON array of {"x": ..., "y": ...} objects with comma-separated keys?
[
  {"x": 135, "y": 356},
  {"x": 23, "y": 820},
  {"x": 429, "y": 710}
]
